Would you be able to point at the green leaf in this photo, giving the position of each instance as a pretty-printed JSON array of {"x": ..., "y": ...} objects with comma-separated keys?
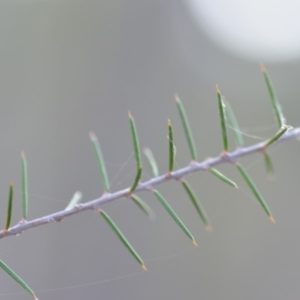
[
  {"x": 174, "y": 216},
  {"x": 278, "y": 135},
  {"x": 275, "y": 103},
  {"x": 17, "y": 278},
  {"x": 137, "y": 153},
  {"x": 122, "y": 238},
  {"x": 269, "y": 165},
  {"x": 74, "y": 201},
  {"x": 197, "y": 204},
  {"x": 9, "y": 206},
  {"x": 24, "y": 186},
  {"x": 223, "y": 177},
  {"x": 171, "y": 147},
  {"x": 136, "y": 179},
  {"x": 135, "y": 140},
  {"x": 101, "y": 163},
  {"x": 255, "y": 191},
  {"x": 223, "y": 120},
  {"x": 143, "y": 206},
  {"x": 234, "y": 124},
  {"x": 151, "y": 160},
  {"x": 186, "y": 127}
]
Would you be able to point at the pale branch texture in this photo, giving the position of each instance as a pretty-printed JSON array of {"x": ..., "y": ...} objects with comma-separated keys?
[{"x": 230, "y": 157}]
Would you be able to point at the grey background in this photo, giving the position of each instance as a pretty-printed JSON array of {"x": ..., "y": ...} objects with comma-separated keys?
[{"x": 68, "y": 67}]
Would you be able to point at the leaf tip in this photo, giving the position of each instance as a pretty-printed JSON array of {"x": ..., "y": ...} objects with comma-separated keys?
[
  {"x": 129, "y": 114},
  {"x": 176, "y": 97},
  {"x": 144, "y": 267},
  {"x": 23, "y": 155},
  {"x": 92, "y": 136},
  {"x": 272, "y": 219},
  {"x": 195, "y": 243},
  {"x": 208, "y": 228},
  {"x": 217, "y": 89},
  {"x": 263, "y": 68}
]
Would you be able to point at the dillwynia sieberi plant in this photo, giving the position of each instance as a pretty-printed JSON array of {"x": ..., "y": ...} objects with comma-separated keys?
[{"x": 284, "y": 133}]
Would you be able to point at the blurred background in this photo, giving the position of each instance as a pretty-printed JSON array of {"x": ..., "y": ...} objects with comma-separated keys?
[{"x": 69, "y": 67}]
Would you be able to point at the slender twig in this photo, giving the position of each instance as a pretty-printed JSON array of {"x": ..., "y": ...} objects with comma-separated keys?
[{"x": 231, "y": 157}]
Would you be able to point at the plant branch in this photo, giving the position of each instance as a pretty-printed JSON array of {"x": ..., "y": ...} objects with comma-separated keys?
[{"x": 230, "y": 157}]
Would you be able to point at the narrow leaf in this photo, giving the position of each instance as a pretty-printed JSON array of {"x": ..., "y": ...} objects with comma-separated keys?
[
  {"x": 278, "y": 135},
  {"x": 143, "y": 206},
  {"x": 269, "y": 165},
  {"x": 223, "y": 177},
  {"x": 122, "y": 238},
  {"x": 223, "y": 121},
  {"x": 136, "y": 179},
  {"x": 186, "y": 127},
  {"x": 101, "y": 163},
  {"x": 9, "y": 206},
  {"x": 135, "y": 140},
  {"x": 75, "y": 200},
  {"x": 171, "y": 147},
  {"x": 24, "y": 186},
  {"x": 275, "y": 103},
  {"x": 151, "y": 161},
  {"x": 235, "y": 125},
  {"x": 197, "y": 204},
  {"x": 174, "y": 216},
  {"x": 255, "y": 191},
  {"x": 17, "y": 278}
]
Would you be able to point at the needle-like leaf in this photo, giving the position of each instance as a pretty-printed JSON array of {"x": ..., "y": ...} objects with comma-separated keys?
[
  {"x": 255, "y": 191},
  {"x": 223, "y": 177},
  {"x": 186, "y": 127},
  {"x": 223, "y": 120},
  {"x": 171, "y": 147},
  {"x": 17, "y": 278},
  {"x": 136, "y": 179},
  {"x": 279, "y": 134},
  {"x": 137, "y": 154},
  {"x": 101, "y": 163},
  {"x": 24, "y": 186},
  {"x": 268, "y": 164},
  {"x": 197, "y": 204},
  {"x": 136, "y": 145},
  {"x": 122, "y": 238},
  {"x": 234, "y": 124},
  {"x": 9, "y": 206},
  {"x": 174, "y": 216},
  {"x": 143, "y": 206},
  {"x": 275, "y": 103},
  {"x": 74, "y": 201},
  {"x": 151, "y": 160}
]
